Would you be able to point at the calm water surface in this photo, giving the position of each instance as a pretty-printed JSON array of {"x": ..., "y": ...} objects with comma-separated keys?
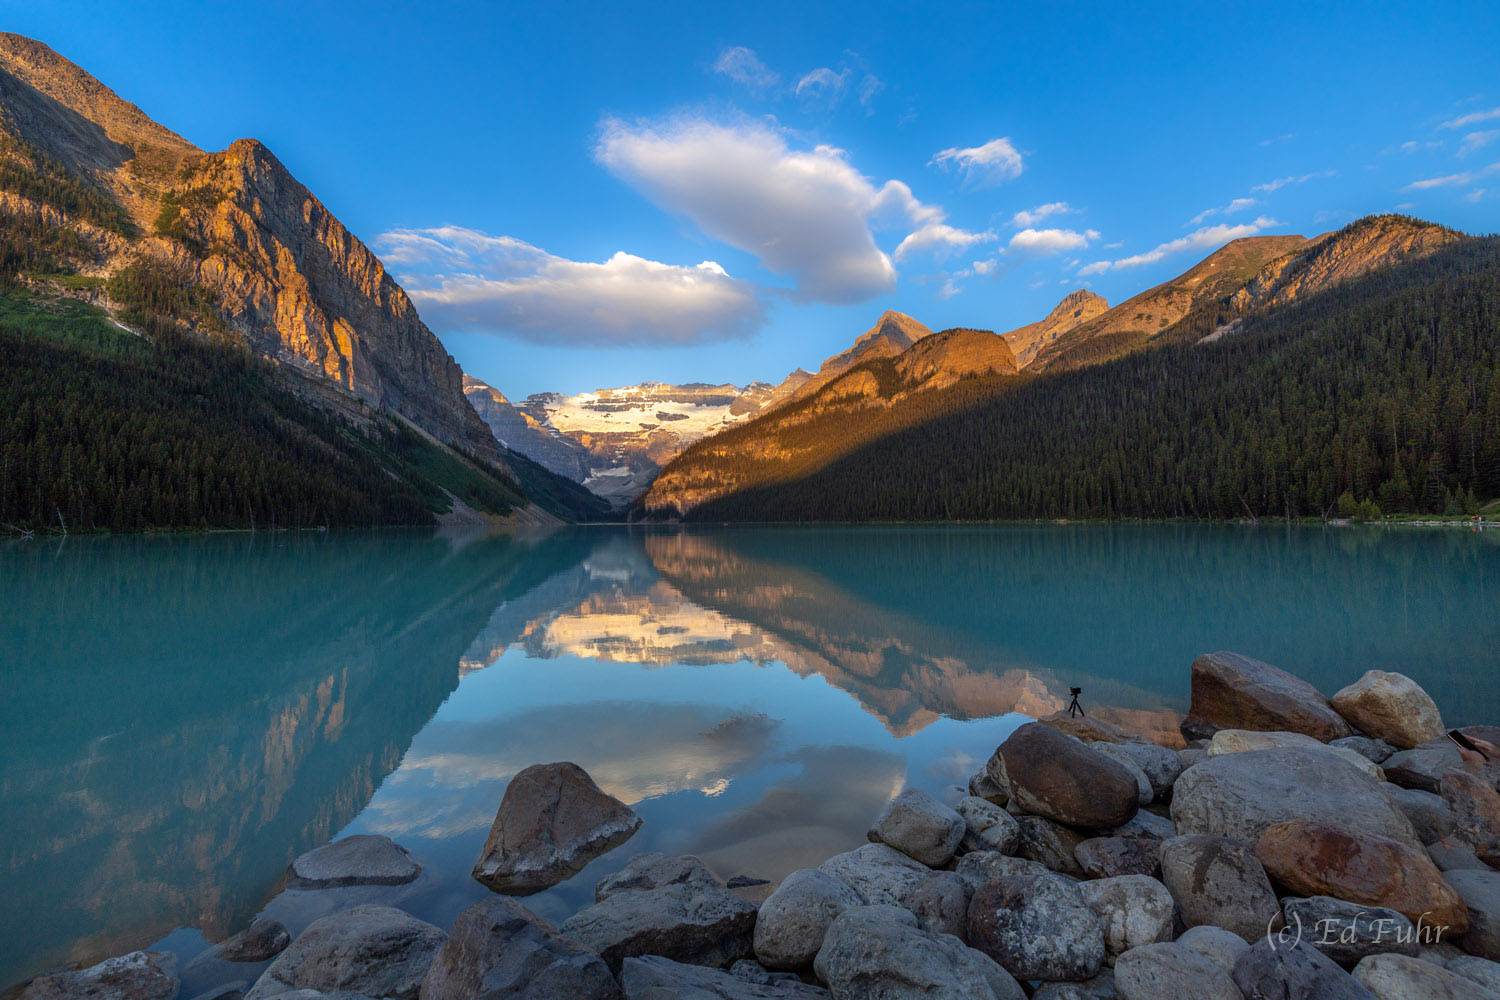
[{"x": 183, "y": 716}]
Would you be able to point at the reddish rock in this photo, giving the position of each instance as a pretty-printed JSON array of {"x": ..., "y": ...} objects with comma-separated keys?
[
  {"x": 1475, "y": 806},
  {"x": 1051, "y": 775},
  {"x": 1313, "y": 858},
  {"x": 1109, "y": 857},
  {"x": 1230, "y": 691}
]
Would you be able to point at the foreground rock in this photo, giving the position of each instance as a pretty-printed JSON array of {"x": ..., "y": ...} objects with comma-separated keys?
[
  {"x": 919, "y": 826},
  {"x": 879, "y": 874},
  {"x": 140, "y": 975},
  {"x": 792, "y": 921},
  {"x": 1245, "y": 740},
  {"x": 1100, "y": 987},
  {"x": 1107, "y": 857},
  {"x": 363, "y": 859},
  {"x": 1037, "y": 927},
  {"x": 1423, "y": 767},
  {"x": 1480, "y": 892},
  {"x": 1293, "y": 969},
  {"x": 261, "y": 941},
  {"x": 657, "y": 978},
  {"x": 940, "y": 902},
  {"x": 552, "y": 821},
  {"x": 1475, "y": 807},
  {"x": 1050, "y": 844},
  {"x": 1240, "y": 795},
  {"x": 1313, "y": 858},
  {"x": 499, "y": 949},
  {"x": 987, "y": 827},
  {"x": 1230, "y": 691},
  {"x": 1219, "y": 882},
  {"x": 1429, "y": 814},
  {"x": 1056, "y": 777},
  {"x": 1170, "y": 972},
  {"x": 1161, "y": 766},
  {"x": 376, "y": 951},
  {"x": 1219, "y": 946},
  {"x": 1390, "y": 707},
  {"x": 1398, "y": 977},
  {"x": 1133, "y": 910},
  {"x": 692, "y": 919},
  {"x": 878, "y": 951},
  {"x": 1347, "y": 932}
]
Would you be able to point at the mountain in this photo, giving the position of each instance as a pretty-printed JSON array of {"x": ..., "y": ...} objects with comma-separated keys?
[
  {"x": 100, "y": 204},
  {"x": 523, "y": 433},
  {"x": 893, "y": 333},
  {"x": 1274, "y": 374},
  {"x": 1076, "y": 308}
]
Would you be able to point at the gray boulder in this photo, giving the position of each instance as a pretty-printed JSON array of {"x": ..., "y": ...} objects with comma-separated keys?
[
  {"x": 1145, "y": 825},
  {"x": 1161, "y": 766},
  {"x": 1428, "y": 813},
  {"x": 1050, "y": 844},
  {"x": 1475, "y": 807},
  {"x": 499, "y": 950},
  {"x": 1452, "y": 854},
  {"x": 1373, "y": 750},
  {"x": 1230, "y": 691},
  {"x": 1100, "y": 987},
  {"x": 1189, "y": 756},
  {"x": 1219, "y": 946},
  {"x": 940, "y": 902},
  {"x": 1133, "y": 910},
  {"x": 1170, "y": 972},
  {"x": 1107, "y": 857},
  {"x": 1240, "y": 795},
  {"x": 1480, "y": 891},
  {"x": 1218, "y": 881},
  {"x": 653, "y": 870},
  {"x": 552, "y": 821},
  {"x": 363, "y": 859},
  {"x": 1144, "y": 792},
  {"x": 987, "y": 827},
  {"x": 792, "y": 921},
  {"x": 261, "y": 941},
  {"x": 982, "y": 786},
  {"x": 1480, "y": 970},
  {"x": 1058, "y": 777},
  {"x": 139, "y": 975},
  {"x": 980, "y": 867},
  {"x": 880, "y": 874},
  {"x": 1293, "y": 970},
  {"x": 919, "y": 826},
  {"x": 652, "y": 977},
  {"x": 376, "y": 951},
  {"x": 878, "y": 952},
  {"x": 1400, "y": 977},
  {"x": 1347, "y": 932},
  {"x": 1037, "y": 927},
  {"x": 1423, "y": 766}
]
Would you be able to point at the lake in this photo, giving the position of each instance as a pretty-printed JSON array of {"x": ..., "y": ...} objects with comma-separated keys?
[{"x": 184, "y": 715}]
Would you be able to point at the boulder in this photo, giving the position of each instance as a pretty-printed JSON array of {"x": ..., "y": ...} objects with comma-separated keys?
[
  {"x": 1480, "y": 892},
  {"x": 1429, "y": 814},
  {"x": 940, "y": 902},
  {"x": 879, "y": 874},
  {"x": 987, "y": 827},
  {"x": 919, "y": 826},
  {"x": 1452, "y": 854},
  {"x": 692, "y": 920},
  {"x": 1230, "y": 691},
  {"x": 261, "y": 941},
  {"x": 1218, "y": 881},
  {"x": 1423, "y": 767},
  {"x": 982, "y": 786},
  {"x": 877, "y": 951},
  {"x": 1293, "y": 970},
  {"x": 140, "y": 975},
  {"x": 655, "y": 978},
  {"x": 792, "y": 921},
  {"x": 497, "y": 949},
  {"x": 1313, "y": 858},
  {"x": 1059, "y": 778},
  {"x": 1219, "y": 946},
  {"x": 363, "y": 859},
  {"x": 376, "y": 951},
  {"x": 1192, "y": 755},
  {"x": 1133, "y": 910},
  {"x": 1399, "y": 977},
  {"x": 1145, "y": 794},
  {"x": 1241, "y": 794},
  {"x": 653, "y": 870},
  {"x": 1161, "y": 766},
  {"x": 980, "y": 867},
  {"x": 1480, "y": 970},
  {"x": 1371, "y": 749},
  {"x": 1145, "y": 825},
  {"x": 1100, "y": 987},
  {"x": 1390, "y": 707},
  {"x": 1108, "y": 857},
  {"x": 552, "y": 821},
  {"x": 1049, "y": 844},
  {"x": 1089, "y": 729},
  {"x": 1170, "y": 972},
  {"x": 1347, "y": 932},
  {"x": 1475, "y": 808},
  {"x": 1245, "y": 740},
  {"x": 1037, "y": 927}
]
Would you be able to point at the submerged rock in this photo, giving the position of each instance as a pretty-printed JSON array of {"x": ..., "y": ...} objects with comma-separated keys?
[
  {"x": 552, "y": 821},
  {"x": 140, "y": 975},
  {"x": 1230, "y": 691},
  {"x": 262, "y": 940},
  {"x": 919, "y": 826},
  {"x": 363, "y": 859},
  {"x": 376, "y": 951},
  {"x": 1390, "y": 707}
]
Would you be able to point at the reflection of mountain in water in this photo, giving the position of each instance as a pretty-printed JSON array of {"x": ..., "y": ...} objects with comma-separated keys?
[{"x": 233, "y": 701}]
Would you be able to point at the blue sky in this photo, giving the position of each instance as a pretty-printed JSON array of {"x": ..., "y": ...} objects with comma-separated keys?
[{"x": 586, "y": 195}]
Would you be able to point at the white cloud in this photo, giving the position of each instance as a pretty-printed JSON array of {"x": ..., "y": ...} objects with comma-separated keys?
[
  {"x": 1282, "y": 182},
  {"x": 1049, "y": 241},
  {"x": 995, "y": 161},
  {"x": 807, "y": 214},
  {"x": 1031, "y": 216},
  {"x": 868, "y": 88},
  {"x": 985, "y": 267},
  {"x": 822, "y": 86},
  {"x": 940, "y": 238},
  {"x": 1473, "y": 118},
  {"x": 742, "y": 65},
  {"x": 1237, "y": 205},
  {"x": 1207, "y": 238},
  {"x": 465, "y": 279},
  {"x": 1477, "y": 140},
  {"x": 1463, "y": 179},
  {"x": 1475, "y": 195}
]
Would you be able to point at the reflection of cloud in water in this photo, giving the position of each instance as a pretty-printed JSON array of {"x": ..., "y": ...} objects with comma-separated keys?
[{"x": 634, "y": 750}]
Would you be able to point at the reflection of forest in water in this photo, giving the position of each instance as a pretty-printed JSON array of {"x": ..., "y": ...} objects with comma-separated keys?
[{"x": 187, "y": 714}]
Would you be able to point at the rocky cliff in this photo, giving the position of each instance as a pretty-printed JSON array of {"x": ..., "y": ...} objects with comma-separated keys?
[
  {"x": 893, "y": 333},
  {"x": 1076, "y": 308}
]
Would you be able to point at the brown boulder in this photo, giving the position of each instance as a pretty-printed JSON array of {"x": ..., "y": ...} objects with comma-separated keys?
[
  {"x": 1313, "y": 858},
  {"x": 1110, "y": 857},
  {"x": 1475, "y": 806},
  {"x": 1230, "y": 691},
  {"x": 1051, "y": 775},
  {"x": 1391, "y": 707}
]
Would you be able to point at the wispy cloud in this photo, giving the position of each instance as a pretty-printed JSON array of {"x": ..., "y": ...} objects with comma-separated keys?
[
  {"x": 868, "y": 88},
  {"x": 1472, "y": 118},
  {"x": 1237, "y": 205},
  {"x": 1032, "y": 216},
  {"x": 1050, "y": 241},
  {"x": 1278, "y": 139},
  {"x": 743, "y": 66},
  {"x": 1462, "y": 179},
  {"x": 1477, "y": 140},
  {"x": 991, "y": 163},
  {"x": 822, "y": 87},
  {"x": 1209, "y": 237},
  {"x": 1282, "y": 182}
]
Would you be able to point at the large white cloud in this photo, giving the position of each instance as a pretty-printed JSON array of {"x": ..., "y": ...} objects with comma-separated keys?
[
  {"x": 805, "y": 213},
  {"x": 991, "y": 163},
  {"x": 463, "y": 279},
  {"x": 1207, "y": 238}
]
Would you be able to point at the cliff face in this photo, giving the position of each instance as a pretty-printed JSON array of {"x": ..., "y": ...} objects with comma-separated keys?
[
  {"x": 281, "y": 271},
  {"x": 1077, "y": 308},
  {"x": 522, "y": 432},
  {"x": 893, "y": 333}
]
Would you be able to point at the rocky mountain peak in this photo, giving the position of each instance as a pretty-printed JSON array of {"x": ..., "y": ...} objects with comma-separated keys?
[{"x": 1077, "y": 307}]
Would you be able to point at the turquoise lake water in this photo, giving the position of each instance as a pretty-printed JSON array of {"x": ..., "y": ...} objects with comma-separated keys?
[{"x": 183, "y": 716}]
